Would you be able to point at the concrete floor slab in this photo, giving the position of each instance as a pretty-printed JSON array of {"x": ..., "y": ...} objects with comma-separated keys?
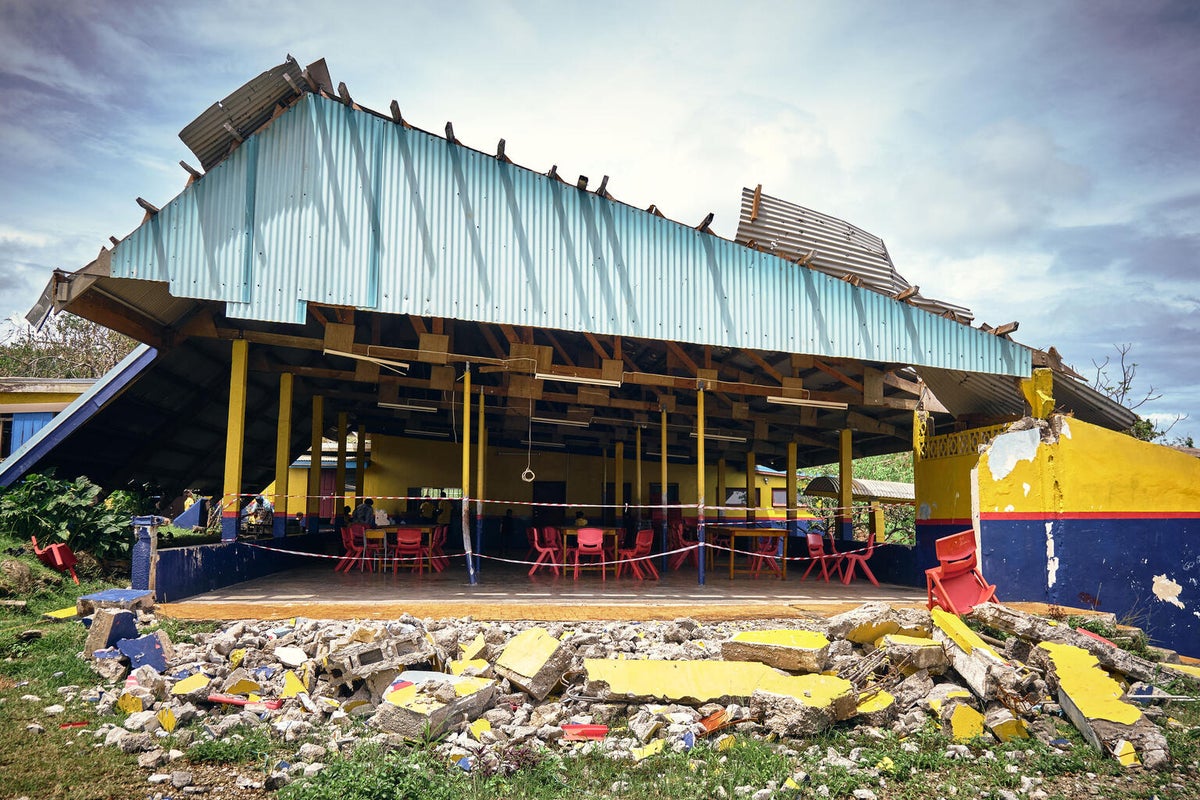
[{"x": 506, "y": 592}]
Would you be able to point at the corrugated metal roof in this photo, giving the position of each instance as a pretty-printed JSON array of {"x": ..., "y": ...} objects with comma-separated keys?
[
  {"x": 335, "y": 205},
  {"x": 996, "y": 396},
  {"x": 838, "y": 248},
  {"x": 862, "y": 489}
]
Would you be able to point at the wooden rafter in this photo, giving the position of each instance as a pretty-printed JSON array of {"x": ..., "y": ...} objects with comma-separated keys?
[
  {"x": 597, "y": 348},
  {"x": 841, "y": 376},
  {"x": 763, "y": 365},
  {"x": 558, "y": 348}
]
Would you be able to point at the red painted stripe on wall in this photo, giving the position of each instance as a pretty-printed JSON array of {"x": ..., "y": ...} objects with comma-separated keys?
[{"x": 1035, "y": 515}]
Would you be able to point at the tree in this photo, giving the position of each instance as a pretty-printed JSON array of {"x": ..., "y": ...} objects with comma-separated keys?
[
  {"x": 67, "y": 346},
  {"x": 1118, "y": 385}
]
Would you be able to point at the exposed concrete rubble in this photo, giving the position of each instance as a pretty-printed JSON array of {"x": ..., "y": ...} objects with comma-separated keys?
[
  {"x": 1035, "y": 629},
  {"x": 629, "y": 689}
]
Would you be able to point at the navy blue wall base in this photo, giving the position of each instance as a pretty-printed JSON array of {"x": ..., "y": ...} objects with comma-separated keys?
[
  {"x": 1107, "y": 564},
  {"x": 186, "y": 571}
]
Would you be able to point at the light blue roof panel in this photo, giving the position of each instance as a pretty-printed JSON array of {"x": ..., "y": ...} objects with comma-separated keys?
[{"x": 348, "y": 208}]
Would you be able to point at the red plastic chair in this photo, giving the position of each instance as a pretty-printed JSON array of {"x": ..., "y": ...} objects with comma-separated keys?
[
  {"x": 588, "y": 542},
  {"x": 766, "y": 555},
  {"x": 859, "y": 559},
  {"x": 547, "y": 547},
  {"x": 817, "y": 555},
  {"x": 409, "y": 544},
  {"x": 676, "y": 541},
  {"x": 56, "y": 556},
  {"x": 642, "y": 546},
  {"x": 352, "y": 543},
  {"x": 437, "y": 548},
  {"x": 530, "y": 536},
  {"x": 956, "y": 584}
]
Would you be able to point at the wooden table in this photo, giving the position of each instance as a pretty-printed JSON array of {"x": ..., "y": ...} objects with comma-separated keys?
[
  {"x": 426, "y": 538},
  {"x": 752, "y": 534},
  {"x": 615, "y": 544}
]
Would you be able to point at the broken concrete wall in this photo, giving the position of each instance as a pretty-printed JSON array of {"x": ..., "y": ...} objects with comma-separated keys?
[{"x": 1075, "y": 515}]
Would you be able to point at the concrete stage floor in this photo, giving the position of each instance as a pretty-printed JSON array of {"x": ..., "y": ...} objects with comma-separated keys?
[{"x": 506, "y": 592}]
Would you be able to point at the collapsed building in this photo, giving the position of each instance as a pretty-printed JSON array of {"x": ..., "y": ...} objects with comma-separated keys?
[{"x": 330, "y": 269}]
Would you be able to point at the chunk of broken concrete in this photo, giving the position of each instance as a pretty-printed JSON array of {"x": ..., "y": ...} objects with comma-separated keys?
[
  {"x": 1091, "y": 699},
  {"x": 696, "y": 682},
  {"x": 108, "y": 627},
  {"x": 426, "y": 703},
  {"x": 793, "y": 650},
  {"x": 118, "y": 599},
  {"x": 144, "y": 651},
  {"x": 805, "y": 711},
  {"x": 534, "y": 661},
  {"x": 972, "y": 658},
  {"x": 868, "y": 622},
  {"x": 912, "y": 653},
  {"x": 877, "y": 709}
]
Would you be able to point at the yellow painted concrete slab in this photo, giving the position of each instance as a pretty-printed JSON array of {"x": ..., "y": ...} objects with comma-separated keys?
[
  {"x": 408, "y": 697},
  {"x": 292, "y": 685},
  {"x": 876, "y": 702},
  {"x": 462, "y": 665},
  {"x": 653, "y": 748},
  {"x": 1090, "y": 688},
  {"x": 244, "y": 686},
  {"x": 236, "y": 656},
  {"x": 965, "y": 723},
  {"x": 528, "y": 651},
  {"x": 62, "y": 613},
  {"x": 472, "y": 649},
  {"x": 166, "y": 718},
  {"x": 805, "y": 640},
  {"x": 958, "y": 631},
  {"x": 129, "y": 703},
  {"x": 478, "y": 728},
  {"x": 1186, "y": 669},
  {"x": 190, "y": 684},
  {"x": 710, "y": 680},
  {"x": 909, "y": 641}
]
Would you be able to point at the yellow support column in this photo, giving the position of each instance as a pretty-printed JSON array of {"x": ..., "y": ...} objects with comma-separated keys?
[
  {"x": 283, "y": 435},
  {"x": 751, "y": 493},
  {"x": 845, "y": 514},
  {"x": 235, "y": 435},
  {"x": 637, "y": 471},
  {"x": 360, "y": 465},
  {"x": 313, "y": 502},
  {"x": 721, "y": 493},
  {"x": 700, "y": 479},
  {"x": 339, "y": 479},
  {"x": 466, "y": 476},
  {"x": 791, "y": 487},
  {"x": 619, "y": 481},
  {"x": 662, "y": 480}
]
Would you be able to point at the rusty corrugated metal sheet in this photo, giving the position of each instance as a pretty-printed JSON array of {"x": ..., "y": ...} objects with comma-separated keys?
[
  {"x": 965, "y": 393},
  {"x": 246, "y": 110},
  {"x": 838, "y": 248},
  {"x": 344, "y": 207}
]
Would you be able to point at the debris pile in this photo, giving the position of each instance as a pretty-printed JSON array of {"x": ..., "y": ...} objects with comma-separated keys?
[{"x": 627, "y": 689}]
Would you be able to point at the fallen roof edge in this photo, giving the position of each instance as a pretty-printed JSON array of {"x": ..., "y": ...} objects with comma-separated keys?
[{"x": 91, "y": 402}]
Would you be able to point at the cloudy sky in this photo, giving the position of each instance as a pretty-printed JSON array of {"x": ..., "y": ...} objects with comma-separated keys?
[{"x": 1034, "y": 161}]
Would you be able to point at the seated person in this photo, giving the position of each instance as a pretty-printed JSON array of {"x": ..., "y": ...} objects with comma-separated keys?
[{"x": 365, "y": 513}]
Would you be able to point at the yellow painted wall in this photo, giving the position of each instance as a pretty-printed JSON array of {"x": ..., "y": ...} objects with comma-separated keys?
[
  {"x": 943, "y": 487},
  {"x": 397, "y": 463},
  {"x": 30, "y": 398},
  {"x": 1090, "y": 469}
]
